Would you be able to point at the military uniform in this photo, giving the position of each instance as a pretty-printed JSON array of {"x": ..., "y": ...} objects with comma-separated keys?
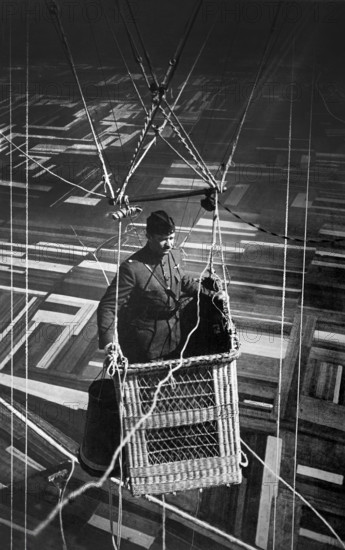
[{"x": 149, "y": 299}]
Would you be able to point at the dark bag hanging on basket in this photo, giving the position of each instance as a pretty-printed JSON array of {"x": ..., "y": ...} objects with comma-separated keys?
[
  {"x": 102, "y": 433},
  {"x": 212, "y": 335}
]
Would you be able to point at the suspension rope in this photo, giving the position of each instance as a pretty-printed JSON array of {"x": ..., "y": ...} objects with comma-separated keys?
[
  {"x": 229, "y": 162},
  {"x": 37, "y": 429},
  {"x": 11, "y": 283},
  {"x": 228, "y": 316},
  {"x": 147, "y": 57},
  {"x": 109, "y": 97},
  {"x": 134, "y": 49},
  {"x": 32, "y": 159},
  {"x": 274, "y": 234},
  {"x": 176, "y": 58},
  {"x": 55, "y": 11},
  {"x": 281, "y": 353},
  {"x": 304, "y": 500},
  {"x": 150, "y": 498},
  {"x": 192, "y": 150},
  {"x": 158, "y": 130},
  {"x": 302, "y": 296},
  {"x": 136, "y": 89},
  {"x": 157, "y": 98},
  {"x": 199, "y": 174},
  {"x": 163, "y": 523},
  {"x": 26, "y": 448},
  {"x": 61, "y": 497}
]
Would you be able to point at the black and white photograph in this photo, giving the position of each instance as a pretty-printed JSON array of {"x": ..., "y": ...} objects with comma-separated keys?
[{"x": 172, "y": 274}]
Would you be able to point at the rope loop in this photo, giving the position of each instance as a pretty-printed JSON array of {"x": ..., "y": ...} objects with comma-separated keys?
[
  {"x": 115, "y": 361},
  {"x": 244, "y": 460}
]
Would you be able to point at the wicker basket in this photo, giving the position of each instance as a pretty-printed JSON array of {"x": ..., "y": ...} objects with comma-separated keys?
[{"x": 191, "y": 438}]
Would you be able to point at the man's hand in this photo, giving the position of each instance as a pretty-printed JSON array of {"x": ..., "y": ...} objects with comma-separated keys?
[
  {"x": 221, "y": 296},
  {"x": 109, "y": 348}
]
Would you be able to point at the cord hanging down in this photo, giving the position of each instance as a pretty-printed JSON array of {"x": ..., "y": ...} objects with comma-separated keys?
[
  {"x": 158, "y": 92},
  {"x": 54, "y": 9}
]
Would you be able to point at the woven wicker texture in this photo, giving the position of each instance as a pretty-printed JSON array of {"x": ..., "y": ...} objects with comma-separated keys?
[{"x": 191, "y": 439}]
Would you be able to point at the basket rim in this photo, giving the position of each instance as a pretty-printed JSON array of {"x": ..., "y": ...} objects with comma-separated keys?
[{"x": 217, "y": 358}]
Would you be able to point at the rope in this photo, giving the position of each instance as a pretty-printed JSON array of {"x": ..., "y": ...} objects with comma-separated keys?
[
  {"x": 55, "y": 11},
  {"x": 160, "y": 129},
  {"x": 281, "y": 353},
  {"x": 11, "y": 282},
  {"x": 286, "y": 237},
  {"x": 125, "y": 62},
  {"x": 150, "y": 498},
  {"x": 187, "y": 142},
  {"x": 136, "y": 55},
  {"x": 157, "y": 98},
  {"x": 176, "y": 58},
  {"x": 133, "y": 166},
  {"x": 302, "y": 297},
  {"x": 294, "y": 492},
  {"x": 196, "y": 515},
  {"x": 109, "y": 97},
  {"x": 229, "y": 162},
  {"x": 200, "y": 175},
  {"x": 61, "y": 496},
  {"x": 32, "y": 159},
  {"x": 93, "y": 253},
  {"x": 26, "y": 278},
  {"x": 38, "y": 430},
  {"x": 148, "y": 60},
  {"x": 163, "y": 523},
  {"x": 111, "y": 521}
]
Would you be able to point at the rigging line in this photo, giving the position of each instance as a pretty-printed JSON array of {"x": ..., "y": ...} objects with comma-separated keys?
[
  {"x": 32, "y": 159},
  {"x": 327, "y": 108},
  {"x": 160, "y": 129},
  {"x": 301, "y": 497},
  {"x": 100, "y": 65},
  {"x": 11, "y": 282},
  {"x": 26, "y": 433},
  {"x": 155, "y": 500},
  {"x": 121, "y": 416},
  {"x": 180, "y": 47},
  {"x": 287, "y": 200},
  {"x": 157, "y": 98},
  {"x": 111, "y": 521},
  {"x": 163, "y": 523},
  {"x": 167, "y": 118},
  {"x": 287, "y": 237},
  {"x": 147, "y": 57},
  {"x": 191, "y": 145},
  {"x": 187, "y": 142},
  {"x": 147, "y": 125},
  {"x": 229, "y": 162},
  {"x": 200, "y": 175},
  {"x": 38, "y": 430},
  {"x": 125, "y": 63},
  {"x": 55, "y": 11},
  {"x": 93, "y": 253},
  {"x": 227, "y": 308},
  {"x": 61, "y": 496},
  {"x": 302, "y": 293},
  {"x": 136, "y": 55},
  {"x": 284, "y": 47},
  {"x": 170, "y": 507}
]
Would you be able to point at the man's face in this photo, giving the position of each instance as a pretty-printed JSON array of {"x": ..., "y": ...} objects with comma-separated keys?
[{"x": 161, "y": 244}]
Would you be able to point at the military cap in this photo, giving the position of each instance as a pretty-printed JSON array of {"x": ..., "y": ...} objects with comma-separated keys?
[{"x": 160, "y": 222}]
